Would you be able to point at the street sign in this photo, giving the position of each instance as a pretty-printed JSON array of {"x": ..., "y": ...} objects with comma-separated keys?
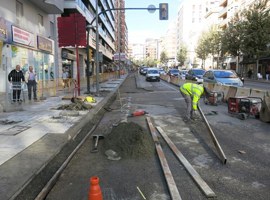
[
  {"x": 151, "y": 8},
  {"x": 122, "y": 56}
]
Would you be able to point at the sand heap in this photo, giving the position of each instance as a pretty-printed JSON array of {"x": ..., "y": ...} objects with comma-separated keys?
[{"x": 129, "y": 140}]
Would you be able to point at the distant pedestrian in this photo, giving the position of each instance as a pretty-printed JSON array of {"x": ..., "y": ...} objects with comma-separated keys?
[
  {"x": 267, "y": 75},
  {"x": 249, "y": 73},
  {"x": 192, "y": 93},
  {"x": 31, "y": 80},
  {"x": 65, "y": 77},
  {"x": 15, "y": 78}
]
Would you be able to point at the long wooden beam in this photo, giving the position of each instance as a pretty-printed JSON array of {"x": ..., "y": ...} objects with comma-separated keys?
[
  {"x": 175, "y": 195},
  {"x": 193, "y": 173}
]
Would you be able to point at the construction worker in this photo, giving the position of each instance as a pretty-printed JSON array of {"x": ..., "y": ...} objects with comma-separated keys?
[{"x": 192, "y": 93}]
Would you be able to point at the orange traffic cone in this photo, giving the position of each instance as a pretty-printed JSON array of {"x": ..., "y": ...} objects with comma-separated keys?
[{"x": 94, "y": 190}]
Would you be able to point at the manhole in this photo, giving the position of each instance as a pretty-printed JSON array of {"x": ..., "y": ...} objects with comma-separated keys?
[{"x": 15, "y": 130}]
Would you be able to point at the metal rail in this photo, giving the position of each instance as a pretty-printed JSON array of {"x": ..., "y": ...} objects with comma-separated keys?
[{"x": 214, "y": 139}]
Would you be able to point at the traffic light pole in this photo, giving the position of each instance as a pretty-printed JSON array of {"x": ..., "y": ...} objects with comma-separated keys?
[{"x": 150, "y": 9}]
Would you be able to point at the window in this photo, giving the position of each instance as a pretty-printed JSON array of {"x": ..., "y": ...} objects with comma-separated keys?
[
  {"x": 19, "y": 11},
  {"x": 51, "y": 30},
  {"x": 40, "y": 19}
]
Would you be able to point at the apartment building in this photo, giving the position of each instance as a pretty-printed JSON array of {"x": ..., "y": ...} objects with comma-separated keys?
[
  {"x": 121, "y": 30},
  {"x": 136, "y": 51},
  {"x": 151, "y": 48},
  {"x": 170, "y": 44},
  {"x": 189, "y": 28}
]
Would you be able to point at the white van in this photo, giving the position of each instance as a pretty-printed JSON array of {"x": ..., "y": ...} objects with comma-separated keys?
[{"x": 152, "y": 74}]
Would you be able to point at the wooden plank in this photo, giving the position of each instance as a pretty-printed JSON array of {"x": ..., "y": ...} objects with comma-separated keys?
[
  {"x": 193, "y": 173},
  {"x": 175, "y": 195},
  {"x": 214, "y": 139}
]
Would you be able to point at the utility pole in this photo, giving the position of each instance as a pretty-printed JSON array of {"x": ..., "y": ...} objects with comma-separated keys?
[
  {"x": 97, "y": 51},
  {"x": 119, "y": 41}
]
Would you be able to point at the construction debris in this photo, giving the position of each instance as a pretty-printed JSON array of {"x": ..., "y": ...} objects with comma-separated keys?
[{"x": 77, "y": 104}]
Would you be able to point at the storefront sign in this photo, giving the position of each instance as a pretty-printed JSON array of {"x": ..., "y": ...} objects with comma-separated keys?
[
  {"x": 44, "y": 44},
  {"x": 72, "y": 30},
  {"x": 3, "y": 29},
  {"x": 23, "y": 37},
  {"x": 122, "y": 56}
]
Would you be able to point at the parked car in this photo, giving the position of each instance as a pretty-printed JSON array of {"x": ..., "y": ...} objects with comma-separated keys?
[
  {"x": 143, "y": 70},
  {"x": 195, "y": 75},
  {"x": 222, "y": 77},
  {"x": 173, "y": 72},
  {"x": 161, "y": 71},
  {"x": 152, "y": 74},
  {"x": 182, "y": 74}
]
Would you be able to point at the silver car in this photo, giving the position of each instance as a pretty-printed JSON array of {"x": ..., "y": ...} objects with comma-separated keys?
[{"x": 222, "y": 77}]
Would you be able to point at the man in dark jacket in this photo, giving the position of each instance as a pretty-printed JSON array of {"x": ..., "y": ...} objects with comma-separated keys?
[{"x": 16, "y": 77}]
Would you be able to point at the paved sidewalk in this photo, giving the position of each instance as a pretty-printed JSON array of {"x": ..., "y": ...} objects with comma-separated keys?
[{"x": 30, "y": 138}]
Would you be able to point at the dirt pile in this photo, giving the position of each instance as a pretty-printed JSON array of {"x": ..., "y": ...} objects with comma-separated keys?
[{"x": 129, "y": 140}]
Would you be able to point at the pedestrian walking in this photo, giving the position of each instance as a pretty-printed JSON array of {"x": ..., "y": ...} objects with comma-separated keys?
[
  {"x": 15, "y": 78},
  {"x": 65, "y": 77},
  {"x": 31, "y": 81},
  {"x": 249, "y": 73},
  {"x": 267, "y": 75},
  {"x": 192, "y": 93}
]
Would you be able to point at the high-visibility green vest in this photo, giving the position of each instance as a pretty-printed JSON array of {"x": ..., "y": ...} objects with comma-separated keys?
[{"x": 193, "y": 90}]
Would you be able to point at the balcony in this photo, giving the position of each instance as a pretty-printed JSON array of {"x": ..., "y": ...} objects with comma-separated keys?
[
  {"x": 223, "y": 13},
  {"x": 80, "y": 7},
  {"x": 50, "y": 6},
  {"x": 223, "y": 3}
]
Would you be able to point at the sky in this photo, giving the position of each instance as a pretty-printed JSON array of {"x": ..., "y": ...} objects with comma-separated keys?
[{"x": 142, "y": 24}]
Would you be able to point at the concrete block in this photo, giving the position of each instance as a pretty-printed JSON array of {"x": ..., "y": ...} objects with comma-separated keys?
[
  {"x": 258, "y": 93},
  {"x": 265, "y": 110},
  {"x": 242, "y": 92},
  {"x": 231, "y": 93},
  {"x": 218, "y": 88}
]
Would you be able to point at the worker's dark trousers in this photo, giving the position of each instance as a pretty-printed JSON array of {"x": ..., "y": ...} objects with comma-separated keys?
[
  {"x": 188, "y": 101},
  {"x": 32, "y": 85},
  {"x": 16, "y": 87}
]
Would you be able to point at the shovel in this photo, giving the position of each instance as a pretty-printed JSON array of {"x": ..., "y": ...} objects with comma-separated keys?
[{"x": 96, "y": 138}]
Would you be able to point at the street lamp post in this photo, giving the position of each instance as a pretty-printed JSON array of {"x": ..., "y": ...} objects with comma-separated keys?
[
  {"x": 88, "y": 28},
  {"x": 97, "y": 51}
]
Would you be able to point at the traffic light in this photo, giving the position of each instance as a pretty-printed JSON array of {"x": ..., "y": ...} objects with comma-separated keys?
[
  {"x": 90, "y": 54},
  {"x": 163, "y": 11}
]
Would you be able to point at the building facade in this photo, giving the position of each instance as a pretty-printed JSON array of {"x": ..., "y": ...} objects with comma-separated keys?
[{"x": 28, "y": 37}]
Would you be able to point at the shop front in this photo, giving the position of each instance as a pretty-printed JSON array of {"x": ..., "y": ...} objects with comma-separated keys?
[{"x": 27, "y": 49}]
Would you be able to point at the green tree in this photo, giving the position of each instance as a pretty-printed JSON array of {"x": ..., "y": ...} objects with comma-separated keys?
[
  {"x": 163, "y": 58},
  {"x": 214, "y": 42},
  {"x": 182, "y": 55},
  {"x": 232, "y": 39},
  {"x": 256, "y": 30},
  {"x": 202, "y": 49}
]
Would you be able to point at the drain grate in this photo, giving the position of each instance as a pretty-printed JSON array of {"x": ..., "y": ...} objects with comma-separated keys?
[{"x": 14, "y": 130}]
